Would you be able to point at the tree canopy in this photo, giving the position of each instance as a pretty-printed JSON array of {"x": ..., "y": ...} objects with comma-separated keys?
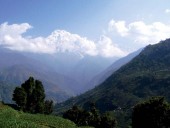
[
  {"x": 153, "y": 113},
  {"x": 30, "y": 97},
  {"x": 90, "y": 118}
]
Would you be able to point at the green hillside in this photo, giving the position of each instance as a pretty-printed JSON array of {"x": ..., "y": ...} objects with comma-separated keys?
[
  {"x": 148, "y": 74},
  {"x": 10, "y": 118}
]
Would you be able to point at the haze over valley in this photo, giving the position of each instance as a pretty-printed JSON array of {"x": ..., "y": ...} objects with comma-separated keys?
[{"x": 96, "y": 63}]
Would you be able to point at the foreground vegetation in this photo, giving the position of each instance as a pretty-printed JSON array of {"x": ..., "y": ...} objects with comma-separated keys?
[
  {"x": 90, "y": 118},
  {"x": 34, "y": 109},
  {"x": 151, "y": 113},
  {"x": 10, "y": 118},
  {"x": 30, "y": 97}
]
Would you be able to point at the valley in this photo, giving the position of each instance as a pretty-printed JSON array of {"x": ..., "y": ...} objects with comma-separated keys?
[
  {"x": 145, "y": 76},
  {"x": 84, "y": 63},
  {"x": 139, "y": 75}
]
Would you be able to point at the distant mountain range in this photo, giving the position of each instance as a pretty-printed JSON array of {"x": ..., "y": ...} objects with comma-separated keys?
[
  {"x": 101, "y": 77},
  {"x": 15, "y": 68},
  {"x": 79, "y": 68},
  {"x": 147, "y": 74},
  {"x": 63, "y": 74}
]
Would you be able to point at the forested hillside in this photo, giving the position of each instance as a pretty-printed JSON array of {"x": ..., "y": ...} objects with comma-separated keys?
[{"x": 148, "y": 74}]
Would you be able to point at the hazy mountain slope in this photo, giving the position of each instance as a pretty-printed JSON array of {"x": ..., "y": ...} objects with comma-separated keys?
[
  {"x": 148, "y": 74},
  {"x": 60, "y": 62},
  {"x": 101, "y": 77},
  {"x": 81, "y": 69},
  {"x": 16, "y": 68},
  {"x": 63, "y": 74},
  {"x": 9, "y": 58},
  {"x": 87, "y": 68},
  {"x": 6, "y": 91},
  {"x": 17, "y": 74}
]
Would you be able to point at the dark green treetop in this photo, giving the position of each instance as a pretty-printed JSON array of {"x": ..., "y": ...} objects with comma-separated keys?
[{"x": 30, "y": 97}]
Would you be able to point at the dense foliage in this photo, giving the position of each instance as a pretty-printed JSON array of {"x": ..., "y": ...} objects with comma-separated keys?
[
  {"x": 153, "y": 113},
  {"x": 90, "y": 118},
  {"x": 30, "y": 97}
]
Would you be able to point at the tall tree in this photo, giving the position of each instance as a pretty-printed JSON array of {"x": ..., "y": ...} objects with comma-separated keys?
[
  {"x": 28, "y": 86},
  {"x": 30, "y": 97},
  {"x": 19, "y": 97},
  {"x": 38, "y": 96}
]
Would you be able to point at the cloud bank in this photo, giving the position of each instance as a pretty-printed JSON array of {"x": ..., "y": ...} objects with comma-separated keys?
[
  {"x": 140, "y": 32},
  {"x": 12, "y": 37}
]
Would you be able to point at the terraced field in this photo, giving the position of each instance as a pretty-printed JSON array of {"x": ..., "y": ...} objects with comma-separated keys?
[{"x": 10, "y": 118}]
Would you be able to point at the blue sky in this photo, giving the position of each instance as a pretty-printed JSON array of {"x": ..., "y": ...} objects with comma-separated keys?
[
  {"x": 116, "y": 26},
  {"x": 46, "y": 16}
]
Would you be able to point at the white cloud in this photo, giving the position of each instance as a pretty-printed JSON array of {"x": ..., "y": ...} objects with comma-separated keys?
[
  {"x": 67, "y": 42},
  {"x": 141, "y": 32},
  {"x": 11, "y": 36},
  {"x": 167, "y": 11},
  {"x": 119, "y": 26},
  {"x": 14, "y": 29},
  {"x": 107, "y": 49}
]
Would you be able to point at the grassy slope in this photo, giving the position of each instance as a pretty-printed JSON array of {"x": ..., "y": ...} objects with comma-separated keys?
[{"x": 10, "y": 118}]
